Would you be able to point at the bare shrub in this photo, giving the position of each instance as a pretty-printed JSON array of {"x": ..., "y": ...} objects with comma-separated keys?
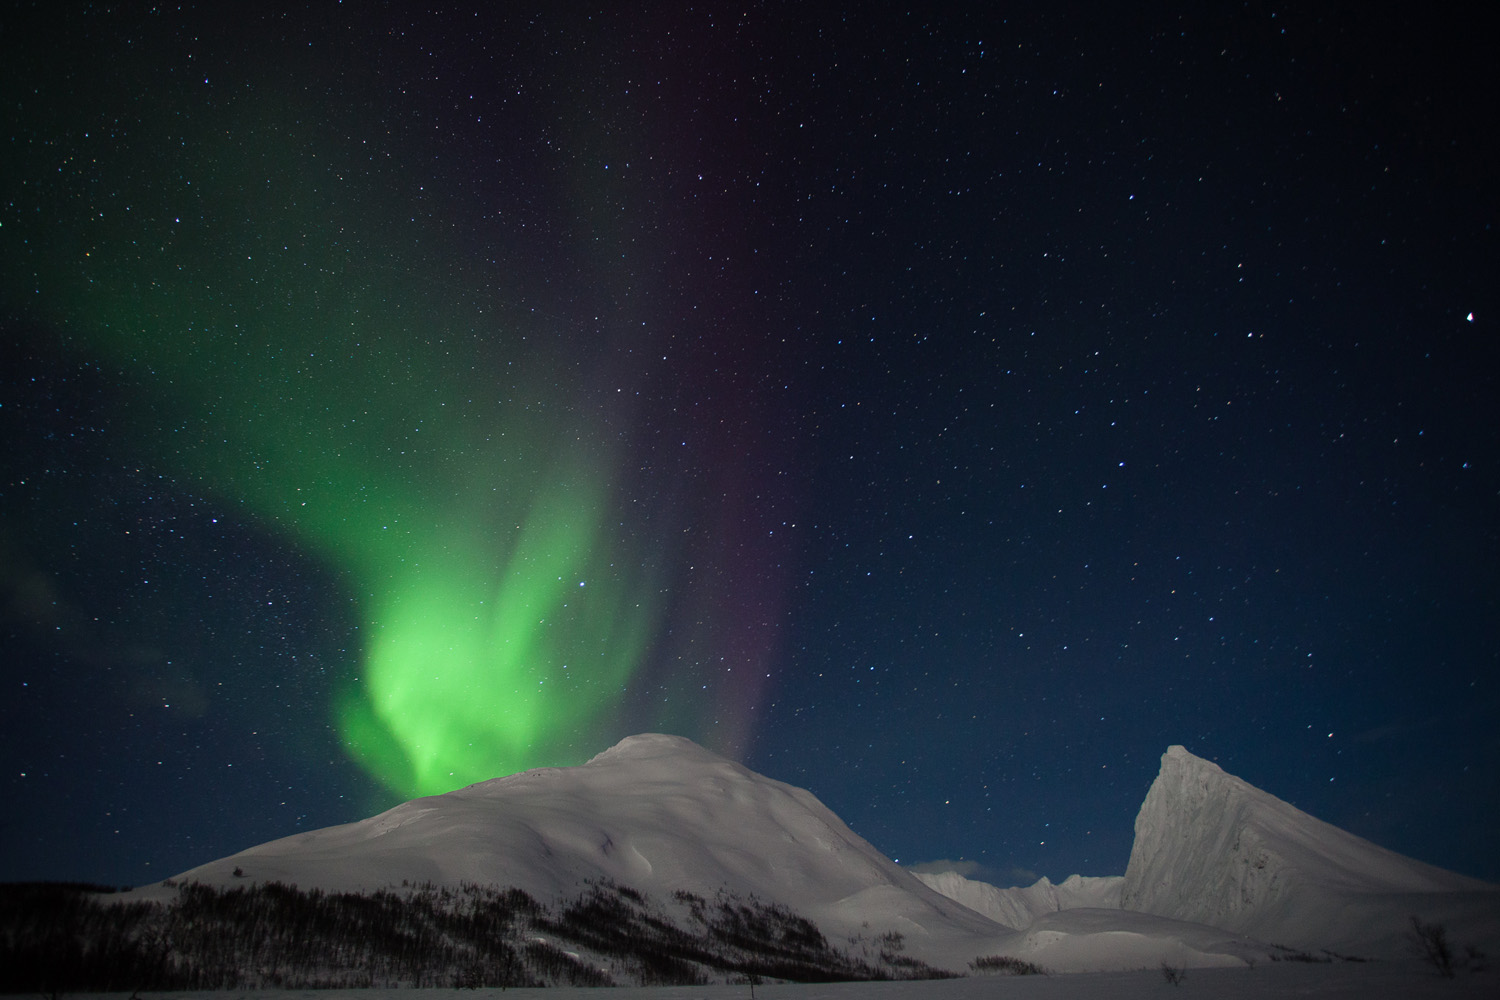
[
  {"x": 1005, "y": 965},
  {"x": 1429, "y": 942}
]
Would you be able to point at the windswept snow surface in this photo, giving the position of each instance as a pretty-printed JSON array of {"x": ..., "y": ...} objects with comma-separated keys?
[
  {"x": 1095, "y": 940},
  {"x": 1078, "y": 926},
  {"x": 1212, "y": 849}
]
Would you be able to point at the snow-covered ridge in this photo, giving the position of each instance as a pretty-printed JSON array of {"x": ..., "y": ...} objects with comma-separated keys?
[{"x": 1019, "y": 906}]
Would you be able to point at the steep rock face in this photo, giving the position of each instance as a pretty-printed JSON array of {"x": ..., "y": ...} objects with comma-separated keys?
[{"x": 1212, "y": 849}]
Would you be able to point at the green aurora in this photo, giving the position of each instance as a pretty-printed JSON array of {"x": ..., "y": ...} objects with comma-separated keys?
[{"x": 301, "y": 352}]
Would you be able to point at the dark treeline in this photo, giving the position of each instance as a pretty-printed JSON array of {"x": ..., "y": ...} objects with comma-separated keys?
[{"x": 57, "y": 938}]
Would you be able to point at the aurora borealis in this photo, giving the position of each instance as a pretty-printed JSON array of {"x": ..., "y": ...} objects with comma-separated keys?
[
  {"x": 468, "y": 503},
  {"x": 942, "y": 413},
  {"x": 399, "y": 415}
]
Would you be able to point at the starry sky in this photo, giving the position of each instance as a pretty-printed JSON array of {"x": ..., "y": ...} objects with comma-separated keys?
[{"x": 945, "y": 412}]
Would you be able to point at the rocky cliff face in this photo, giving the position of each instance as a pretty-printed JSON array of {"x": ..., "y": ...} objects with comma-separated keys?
[
  {"x": 1212, "y": 849},
  {"x": 1197, "y": 849}
]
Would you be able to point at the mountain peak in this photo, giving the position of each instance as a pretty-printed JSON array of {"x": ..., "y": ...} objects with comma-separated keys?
[
  {"x": 652, "y": 746},
  {"x": 1212, "y": 848},
  {"x": 1178, "y": 755}
]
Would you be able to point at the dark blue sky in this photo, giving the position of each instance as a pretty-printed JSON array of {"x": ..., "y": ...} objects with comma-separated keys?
[{"x": 1005, "y": 397}]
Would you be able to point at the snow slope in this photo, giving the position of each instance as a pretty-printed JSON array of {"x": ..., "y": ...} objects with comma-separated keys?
[
  {"x": 1212, "y": 849},
  {"x": 1088, "y": 939},
  {"x": 1018, "y": 906}
]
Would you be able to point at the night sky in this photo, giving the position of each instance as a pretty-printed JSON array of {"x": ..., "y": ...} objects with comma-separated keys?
[{"x": 942, "y": 412}]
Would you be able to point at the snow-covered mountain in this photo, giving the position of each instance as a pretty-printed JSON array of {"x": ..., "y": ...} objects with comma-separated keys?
[
  {"x": 1212, "y": 849},
  {"x": 1218, "y": 867},
  {"x": 656, "y": 813}
]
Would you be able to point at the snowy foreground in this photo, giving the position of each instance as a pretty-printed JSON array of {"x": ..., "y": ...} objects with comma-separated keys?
[{"x": 1369, "y": 981}]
